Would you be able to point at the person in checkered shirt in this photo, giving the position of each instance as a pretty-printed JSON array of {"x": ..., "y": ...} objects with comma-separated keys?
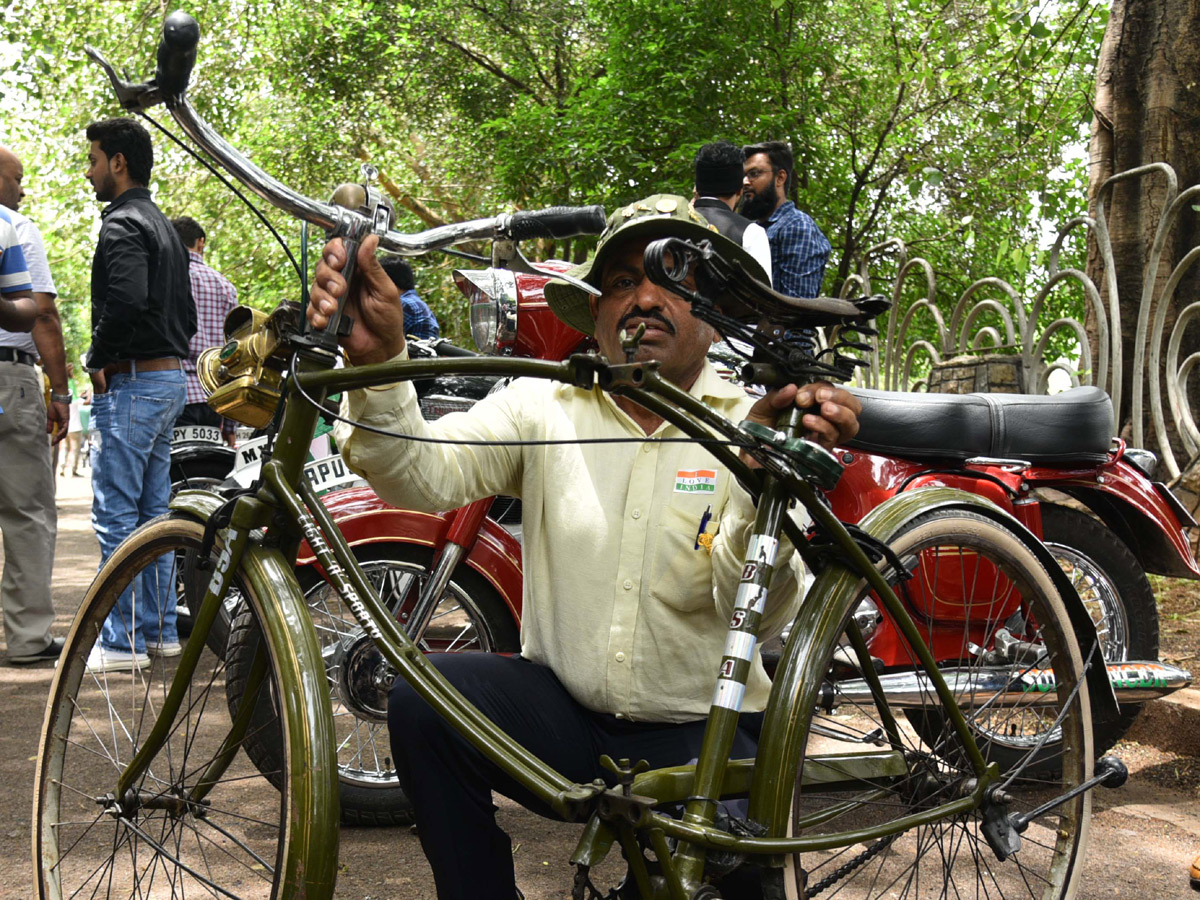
[
  {"x": 799, "y": 251},
  {"x": 419, "y": 320},
  {"x": 215, "y": 296}
]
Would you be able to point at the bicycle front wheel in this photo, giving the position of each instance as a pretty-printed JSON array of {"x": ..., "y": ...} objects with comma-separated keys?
[
  {"x": 991, "y": 614},
  {"x": 236, "y": 835}
]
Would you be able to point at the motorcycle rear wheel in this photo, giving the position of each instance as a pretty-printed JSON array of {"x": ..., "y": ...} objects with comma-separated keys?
[
  {"x": 950, "y": 857},
  {"x": 471, "y": 617},
  {"x": 1113, "y": 586}
]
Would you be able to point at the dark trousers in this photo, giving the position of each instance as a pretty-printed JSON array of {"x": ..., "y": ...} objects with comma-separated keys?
[
  {"x": 450, "y": 783},
  {"x": 199, "y": 414}
]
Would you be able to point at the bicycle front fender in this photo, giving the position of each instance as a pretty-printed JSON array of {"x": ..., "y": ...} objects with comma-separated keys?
[
  {"x": 310, "y": 866},
  {"x": 200, "y": 505},
  {"x": 310, "y": 863}
]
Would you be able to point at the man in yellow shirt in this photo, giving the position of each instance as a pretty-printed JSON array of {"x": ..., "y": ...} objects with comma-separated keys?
[{"x": 624, "y": 620}]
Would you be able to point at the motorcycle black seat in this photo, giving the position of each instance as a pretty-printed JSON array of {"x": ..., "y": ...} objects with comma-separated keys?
[{"x": 1074, "y": 427}]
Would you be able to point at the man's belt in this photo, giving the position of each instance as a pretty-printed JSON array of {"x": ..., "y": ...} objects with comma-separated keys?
[
  {"x": 12, "y": 354},
  {"x": 162, "y": 363}
]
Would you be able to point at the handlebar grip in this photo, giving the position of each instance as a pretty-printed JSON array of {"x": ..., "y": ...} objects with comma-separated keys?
[
  {"x": 557, "y": 222},
  {"x": 445, "y": 348},
  {"x": 176, "y": 53}
]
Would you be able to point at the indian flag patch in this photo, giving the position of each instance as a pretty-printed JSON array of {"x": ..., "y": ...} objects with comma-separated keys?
[{"x": 696, "y": 481}]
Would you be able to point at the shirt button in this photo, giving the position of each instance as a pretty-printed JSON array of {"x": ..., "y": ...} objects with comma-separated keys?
[
  {"x": 637, "y": 513},
  {"x": 628, "y": 585},
  {"x": 620, "y": 657},
  {"x": 645, "y": 448}
]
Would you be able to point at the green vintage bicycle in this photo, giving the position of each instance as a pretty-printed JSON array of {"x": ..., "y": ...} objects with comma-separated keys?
[{"x": 860, "y": 788}]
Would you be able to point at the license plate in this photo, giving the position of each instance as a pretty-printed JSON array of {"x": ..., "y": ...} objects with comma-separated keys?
[{"x": 196, "y": 434}]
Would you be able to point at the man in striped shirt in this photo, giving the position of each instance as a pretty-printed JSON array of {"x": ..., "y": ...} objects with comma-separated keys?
[
  {"x": 17, "y": 309},
  {"x": 799, "y": 251},
  {"x": 215, "y": 296}
]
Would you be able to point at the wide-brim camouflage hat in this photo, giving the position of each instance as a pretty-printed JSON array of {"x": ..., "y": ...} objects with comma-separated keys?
[{"x": 660, "y": 215}]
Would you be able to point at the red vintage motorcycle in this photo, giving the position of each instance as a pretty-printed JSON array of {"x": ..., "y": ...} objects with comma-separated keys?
[{"x": 455, "y": 577}]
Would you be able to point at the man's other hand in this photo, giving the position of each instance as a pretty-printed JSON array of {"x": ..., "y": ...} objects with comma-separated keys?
[
  {"x": 831, "y": 416},
  {"x": 378, "y": 332},
  {"x": 58, "y": 416}
]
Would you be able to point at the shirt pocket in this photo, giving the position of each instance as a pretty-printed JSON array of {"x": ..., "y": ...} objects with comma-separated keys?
[{"x": 681, "y": 575}]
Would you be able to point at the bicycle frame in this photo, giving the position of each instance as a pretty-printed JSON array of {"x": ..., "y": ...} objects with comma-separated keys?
[{"x": 286, "y": 506}]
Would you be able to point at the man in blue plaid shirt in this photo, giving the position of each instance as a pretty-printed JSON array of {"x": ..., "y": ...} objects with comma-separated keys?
[
  {"x": 799, "y": 251},
  {"x": 419, "y": 320}
]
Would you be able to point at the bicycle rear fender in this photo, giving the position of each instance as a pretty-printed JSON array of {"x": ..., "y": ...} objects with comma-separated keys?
[{"x": 798, "y": 679}]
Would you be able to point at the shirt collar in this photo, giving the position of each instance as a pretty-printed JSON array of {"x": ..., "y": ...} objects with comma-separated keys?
[
  {"x": 785, "y": 207},
  {"x": 135, "y": 193},
  {"x": 195, "y": 257},
  {"x": 711, "y": 384}
]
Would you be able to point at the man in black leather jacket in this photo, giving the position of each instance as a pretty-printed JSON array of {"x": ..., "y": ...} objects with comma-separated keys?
[{"x": 143, "y": 315}]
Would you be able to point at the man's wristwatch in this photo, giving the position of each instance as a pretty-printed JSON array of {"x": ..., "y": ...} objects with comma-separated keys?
[{"x": 60, "y": 398}]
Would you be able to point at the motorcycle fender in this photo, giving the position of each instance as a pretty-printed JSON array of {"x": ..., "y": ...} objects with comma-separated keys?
[
  {"x": 1104, "y": 701},
  {"x": 365, "y": 519},
  {"x": 1134, "y": 508},
  {"x": 188, "y": 452}
]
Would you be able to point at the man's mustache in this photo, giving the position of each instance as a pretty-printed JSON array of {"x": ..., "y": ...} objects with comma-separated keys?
[{"x": 648, "y": 314}]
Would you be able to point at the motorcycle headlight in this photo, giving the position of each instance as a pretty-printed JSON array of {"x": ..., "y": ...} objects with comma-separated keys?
[{"x": 493, "y": 295}]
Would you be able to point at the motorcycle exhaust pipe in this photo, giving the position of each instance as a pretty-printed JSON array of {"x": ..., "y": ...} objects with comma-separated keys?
[{"x": 1133, "y": 681}]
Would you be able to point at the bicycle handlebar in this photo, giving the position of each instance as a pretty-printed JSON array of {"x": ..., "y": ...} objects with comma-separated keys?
[{"x": 175, "y": 58}]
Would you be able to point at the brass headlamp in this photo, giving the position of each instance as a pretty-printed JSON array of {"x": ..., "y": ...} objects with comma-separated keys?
[{"x": 244, "y": 378}]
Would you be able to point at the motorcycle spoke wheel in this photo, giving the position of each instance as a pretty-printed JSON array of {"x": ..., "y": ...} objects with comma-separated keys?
[
  {"x": 949, "y": 857},
  {"x": 470, "y": 617},
  {"x": 156, "y": 841},
  {"x": 1116, "y": 592}
]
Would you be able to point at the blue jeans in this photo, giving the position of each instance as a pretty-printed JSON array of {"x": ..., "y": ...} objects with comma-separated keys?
[{"x": 131, "y": 484}]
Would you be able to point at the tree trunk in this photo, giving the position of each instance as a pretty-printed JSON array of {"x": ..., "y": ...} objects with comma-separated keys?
[{"x": 1147, "y": 110}]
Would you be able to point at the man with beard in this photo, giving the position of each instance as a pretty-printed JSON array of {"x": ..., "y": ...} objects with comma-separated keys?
[
  {"x": 142, "y": 318},
  {"x": 625, "y": 610},
  {"x": 799, "y": 251}
]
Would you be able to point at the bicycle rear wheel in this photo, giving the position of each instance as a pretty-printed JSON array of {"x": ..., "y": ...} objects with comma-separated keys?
[
  {"x": 1046, "y": 748},
  {"x": 242, "y": 839}
]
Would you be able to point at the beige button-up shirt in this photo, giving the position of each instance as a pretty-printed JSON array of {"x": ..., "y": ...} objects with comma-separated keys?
[{"x": 618, "y": 602}]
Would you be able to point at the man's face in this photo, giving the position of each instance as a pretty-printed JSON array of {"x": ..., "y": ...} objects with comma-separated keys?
[
  {"x": 761, "y": 187},
  {"x": 11, "y": 173},
  {"x": 674, "y": 337},
  {"x": 100, "y": 174}
]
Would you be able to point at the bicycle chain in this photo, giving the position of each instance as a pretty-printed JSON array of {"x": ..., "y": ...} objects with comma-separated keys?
[{"x": 842, "y": 871}]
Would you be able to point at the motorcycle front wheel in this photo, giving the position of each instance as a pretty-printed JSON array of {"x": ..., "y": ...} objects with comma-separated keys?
[{"x": 471, "y": 617}]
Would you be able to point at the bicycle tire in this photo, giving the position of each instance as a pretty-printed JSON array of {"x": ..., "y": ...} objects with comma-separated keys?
[
  {"x": 472, "y": 617},
  {"x": 1113, "y": 586},
  {"x": 249, "y": 839},
  {"x": 949, "y": 857}
]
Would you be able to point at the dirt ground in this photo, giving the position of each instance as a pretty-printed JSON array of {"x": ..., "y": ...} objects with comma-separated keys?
[{"x": 1143, "y": 835}]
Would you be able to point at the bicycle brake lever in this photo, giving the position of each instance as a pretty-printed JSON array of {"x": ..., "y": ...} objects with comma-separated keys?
[
  {"x": 131, "y": 95},
  {"x": 517, "y": 262}
]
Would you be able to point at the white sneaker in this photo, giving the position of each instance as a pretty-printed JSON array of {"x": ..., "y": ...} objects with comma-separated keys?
[
  {"x": 104, "y": 659},
  {"x": 158, "y": 648}
]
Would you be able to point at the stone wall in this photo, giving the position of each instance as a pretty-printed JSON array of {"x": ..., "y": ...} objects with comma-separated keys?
[{"x": 987, "y": 374}]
